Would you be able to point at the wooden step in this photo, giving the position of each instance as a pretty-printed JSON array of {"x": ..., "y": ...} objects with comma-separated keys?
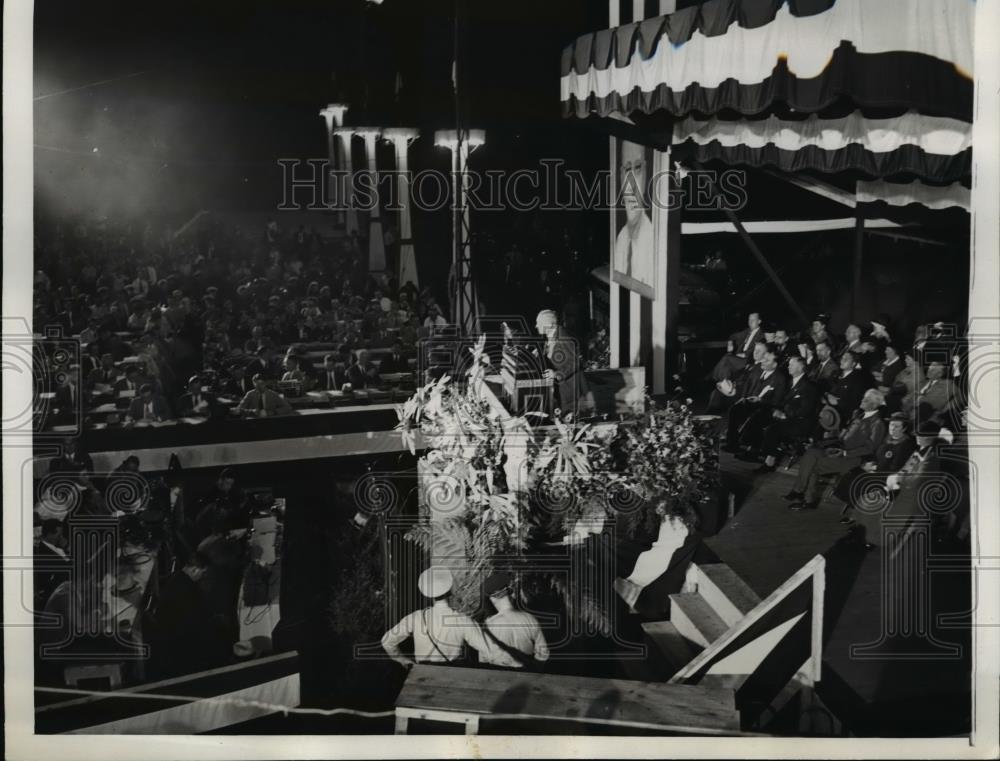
[
  {"x": 669, "y": 649},
  {"x": 726, "y": 681},
  {"x": 726, "y": 593},
  {"x": 695, "y": 620}
]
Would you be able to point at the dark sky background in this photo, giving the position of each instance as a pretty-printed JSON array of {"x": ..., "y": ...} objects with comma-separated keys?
[{"x": 222, "y": 90}]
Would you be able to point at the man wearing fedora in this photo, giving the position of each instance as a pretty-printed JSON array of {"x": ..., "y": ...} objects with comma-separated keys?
[
  {"x": 439, "y": 632},
  {"x": 515, "y": 635}
]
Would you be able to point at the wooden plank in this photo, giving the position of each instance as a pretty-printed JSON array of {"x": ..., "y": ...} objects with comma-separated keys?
[
  {"x": 475, "y": 691},
  {"x": 695, "y": 619},
  {"x": 784, "y": 226},
  {"x": 814, "y": 566},
  {"x": 676, "y": 649},
  {"x": 725, "y": 591}
]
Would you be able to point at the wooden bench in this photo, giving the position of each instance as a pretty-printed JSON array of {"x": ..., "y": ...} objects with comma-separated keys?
[{"x": 466, "y": 695}]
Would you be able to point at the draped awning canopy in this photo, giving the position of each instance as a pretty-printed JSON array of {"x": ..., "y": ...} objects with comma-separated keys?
[{"x": 882, "y": 89}]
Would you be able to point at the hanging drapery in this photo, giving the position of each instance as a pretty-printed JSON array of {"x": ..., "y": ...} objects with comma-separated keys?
[
  {"x": 951, "y": 196},
  {"x": 909, "y": 202},
  {"x": 750, "y": 55},
  {"x": 935, "y": 148}
]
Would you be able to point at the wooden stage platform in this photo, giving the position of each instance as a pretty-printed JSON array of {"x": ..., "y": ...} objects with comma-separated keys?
[{"x": 906, "y": 687}]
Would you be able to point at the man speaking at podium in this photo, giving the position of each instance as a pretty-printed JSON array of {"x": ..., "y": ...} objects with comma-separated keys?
[{"x": 562, "y": 366}]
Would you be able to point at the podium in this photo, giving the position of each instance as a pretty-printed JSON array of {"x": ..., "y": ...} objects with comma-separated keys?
[{"x": 522, "y": 380}]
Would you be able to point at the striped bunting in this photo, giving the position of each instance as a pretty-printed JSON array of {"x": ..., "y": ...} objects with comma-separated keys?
[
  {"x": 916, "y": 54},
  {"x": 934, "y": 148}
]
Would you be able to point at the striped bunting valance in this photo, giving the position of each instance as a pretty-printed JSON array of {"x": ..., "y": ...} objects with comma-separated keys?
[
  {"x": 901, "y": 195},
  {"x": 934, "y": 148},
  {"x": 748, "y": 56}
]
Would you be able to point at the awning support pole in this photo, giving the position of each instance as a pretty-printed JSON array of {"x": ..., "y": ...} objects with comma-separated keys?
[
  {"x": 859, "y": 243},
  {"x": 758, "y": 254},
  {"x": 767, "y": 267}
]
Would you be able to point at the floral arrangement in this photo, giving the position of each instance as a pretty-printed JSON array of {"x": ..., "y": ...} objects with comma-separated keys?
[
  {"x": 598, "y": 351},
  {"x": 670, "y": 464},
  {"x": 507, "y": 484},
  {"x": 655, "y": 463}
]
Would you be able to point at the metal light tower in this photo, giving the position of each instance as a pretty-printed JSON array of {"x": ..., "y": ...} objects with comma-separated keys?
[{"x": 464, "y": 304}]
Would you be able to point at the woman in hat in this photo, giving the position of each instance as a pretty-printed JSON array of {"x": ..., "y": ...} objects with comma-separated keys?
[
  {"x": 910, "y": 490},
  {"x": 866, "y": 483},
  {"x": 439, "y": 633}
]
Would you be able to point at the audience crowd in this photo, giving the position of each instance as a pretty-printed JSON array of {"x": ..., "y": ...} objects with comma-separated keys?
[
  {"x": 169, "y": 322},
  {"x": 869, "y": 408}
]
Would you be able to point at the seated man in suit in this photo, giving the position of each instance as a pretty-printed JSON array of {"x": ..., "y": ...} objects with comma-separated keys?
[
  {"x": 931, "y": 398},
  {"x": 395, "y": 362},
  {"x": 106, "y": 375},
  {"x": 845, "y": 394},
  {"x": 739, "y": 348},
  {"x": 195, "y": 403},
  {"x": 886, "y": 371},
  {"x": 726, "y": 392},
  {"x": 852, "y": 339},
  {"x": 363, "y": 373},
  {"x": 796, "y": 417},
  {"x": 131, "y": 382},
  {"x": 818, "y": 330},
  {"x": 263, "y": 402},
  {"x": 855, "y": 444},
  {"x": 826, "y": 371},
  {"x": 73, "y": 459},
  {"x": 52, "y": 563},
  {"x": 148, "y": 406},
  {"x": 331, "y": 375},
  {"x": 293, "y": 370},
  {"x": 237, "y": 384},
  {"x": 782, "y": 348},
  {"x": 764, "y": 393}
]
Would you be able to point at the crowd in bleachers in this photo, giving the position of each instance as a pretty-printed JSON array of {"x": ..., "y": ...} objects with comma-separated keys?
[
  {"x": 169, "y": 322},
  {"x": 869, "y": 407}
]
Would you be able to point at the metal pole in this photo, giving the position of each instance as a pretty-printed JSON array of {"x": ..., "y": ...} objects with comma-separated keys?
[
  {"x": 758, "y": 254},
  {"x": 859, "y": 242},
  {"x": 459, "y": 253}
]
